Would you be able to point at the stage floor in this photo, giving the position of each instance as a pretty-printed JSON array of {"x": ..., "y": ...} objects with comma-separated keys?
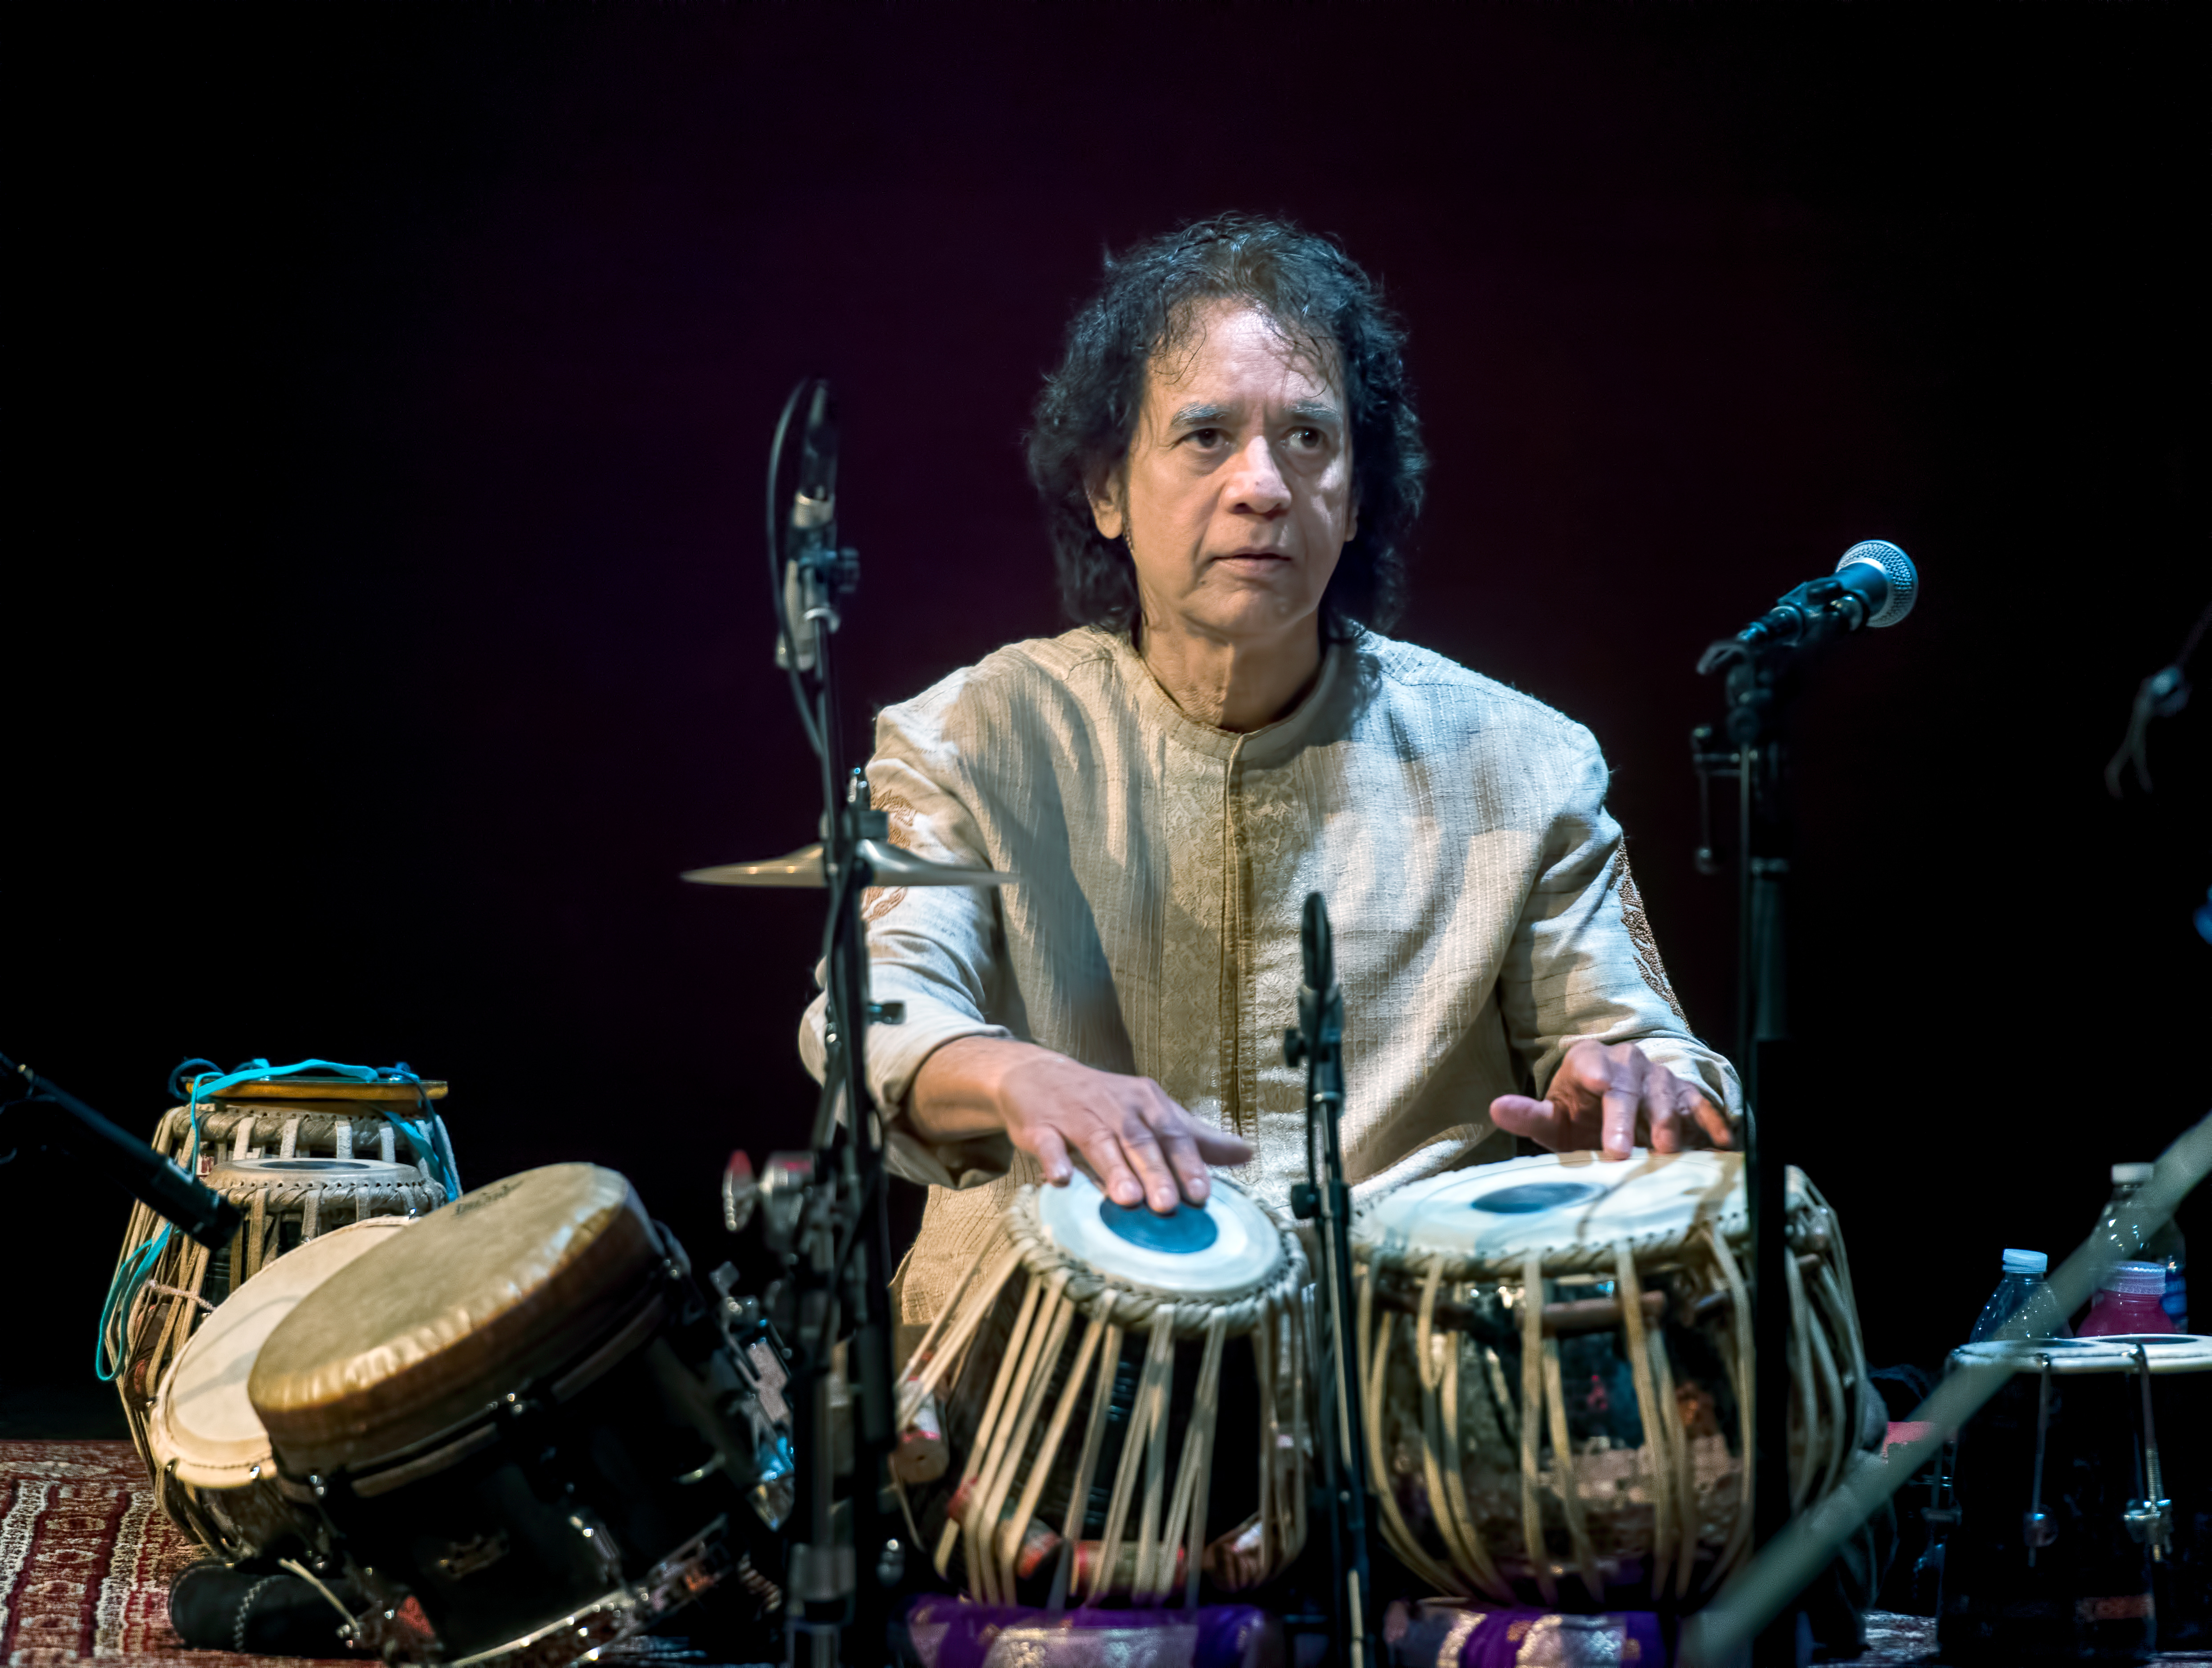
[{"x": 86, "y": 1559}]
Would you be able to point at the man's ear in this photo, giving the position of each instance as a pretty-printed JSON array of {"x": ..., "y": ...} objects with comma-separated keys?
[{"x": 1105, "y": 495}]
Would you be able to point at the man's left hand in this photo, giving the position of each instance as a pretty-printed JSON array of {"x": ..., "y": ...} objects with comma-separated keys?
[{"x": 1614, "y": 1098}]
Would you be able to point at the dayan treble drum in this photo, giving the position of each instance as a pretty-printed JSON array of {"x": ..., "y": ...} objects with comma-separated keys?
[
  {"x": 216, "y": 1470},
  {"x": 521, "y": 1413},
  {"x": 1557, "y": 1353},
  {"x": 1084, "y": 1364}
]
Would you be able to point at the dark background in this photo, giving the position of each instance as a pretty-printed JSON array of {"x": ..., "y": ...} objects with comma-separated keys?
[{"x": 385, "y": 626}]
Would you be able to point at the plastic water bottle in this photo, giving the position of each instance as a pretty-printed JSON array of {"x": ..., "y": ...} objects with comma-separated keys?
[
  {"x": 2165, "y": 1248},
  {"x": 2021, "y": 1287},
  {"x": 2130, "y": 1300}
]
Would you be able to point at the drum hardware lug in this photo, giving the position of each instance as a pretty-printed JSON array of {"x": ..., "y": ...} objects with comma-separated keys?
[
  {"x": 2150, "y": 1522},
  {"x": 891, "y": 1564}
]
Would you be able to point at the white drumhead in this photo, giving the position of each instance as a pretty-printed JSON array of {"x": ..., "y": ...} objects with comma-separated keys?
[
  {"x": 2166, "y": 1352},
  {"x": 1224, "y": 1249},
  {"x": 1553, "y": 1202},
  {"x": 202, "y": 1420}
]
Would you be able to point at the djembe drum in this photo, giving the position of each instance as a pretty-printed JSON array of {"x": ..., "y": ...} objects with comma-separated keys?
[
  {"x": 216, "y": 1470},
  {"x": 1556, "y": 1354},
  {"x": 521, "y": 1413},
  {"x": 1090, "y": 1460}
]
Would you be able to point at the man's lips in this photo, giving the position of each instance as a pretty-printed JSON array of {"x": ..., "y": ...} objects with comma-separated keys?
[{"x": 1253, "y": 558}]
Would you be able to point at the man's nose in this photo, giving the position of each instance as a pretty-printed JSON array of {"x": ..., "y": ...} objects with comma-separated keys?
[{"x": 1258, "y": 486}]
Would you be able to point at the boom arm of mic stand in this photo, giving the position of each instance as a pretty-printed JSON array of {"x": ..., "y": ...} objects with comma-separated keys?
[
  {"x": 50, "y": 1113},
  {"x": 1317, "y": 1043}
]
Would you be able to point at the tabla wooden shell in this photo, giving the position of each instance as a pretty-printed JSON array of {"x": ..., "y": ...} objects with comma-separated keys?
[
  {"x": 1587, "y": 1448},
  {"x": 286, "y": 1198},
  {"x": 1026, "y": 1392}
]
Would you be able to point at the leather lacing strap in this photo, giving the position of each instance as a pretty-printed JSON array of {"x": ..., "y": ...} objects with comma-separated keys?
[{"x": 1827, "y": 1359}]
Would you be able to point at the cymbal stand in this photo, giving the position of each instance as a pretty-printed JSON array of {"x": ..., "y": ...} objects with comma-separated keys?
[
  {"x": 839, "y": 1581},
  {"x": 1317, "y": 1043}
]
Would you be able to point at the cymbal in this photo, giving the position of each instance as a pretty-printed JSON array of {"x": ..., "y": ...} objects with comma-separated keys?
[{"x": 893, "y": 865}]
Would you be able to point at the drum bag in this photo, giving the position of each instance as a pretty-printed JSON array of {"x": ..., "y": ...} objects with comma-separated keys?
[{"x": 256, "y": 1608}]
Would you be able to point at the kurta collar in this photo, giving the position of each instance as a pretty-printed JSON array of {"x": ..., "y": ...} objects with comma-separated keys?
[{"x": 1318, "y": 717}]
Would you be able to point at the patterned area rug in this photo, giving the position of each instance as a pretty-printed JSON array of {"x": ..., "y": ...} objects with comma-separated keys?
[{"x": 86, "y": 1559}]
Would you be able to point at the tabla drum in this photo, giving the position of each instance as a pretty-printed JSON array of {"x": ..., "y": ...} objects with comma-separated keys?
[
  {"x": 2084, "y": 1493},
  {"x": 210, "y": 1452},
  {"x": 1082, "y": 1365},
  {"x": 1557, "y": 1361},
  {"x": 287, "y": 1202},
  {"x": 521, "y": 1413}
]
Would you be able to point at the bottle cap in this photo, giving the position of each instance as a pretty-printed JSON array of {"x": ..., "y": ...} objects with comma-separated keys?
[
  {"x": 2026, "y": 1262},
  {"x": 2137, "y": 1173},
  {"x": 2137, "y": 1279}
]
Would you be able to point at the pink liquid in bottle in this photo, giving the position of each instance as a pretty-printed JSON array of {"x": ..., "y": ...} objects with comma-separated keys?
[{"x": 2129, "y": 1301}]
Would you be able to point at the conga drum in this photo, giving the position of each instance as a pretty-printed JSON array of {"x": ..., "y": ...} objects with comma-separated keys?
[
  {"x": 2085, "y": 1503},
  {"x": 1557, "y": 1361},
  {"x": 211, "y": 1458},
  {"x": 1082, "y": 1367},
  {"x": 519, "y": 1412}
]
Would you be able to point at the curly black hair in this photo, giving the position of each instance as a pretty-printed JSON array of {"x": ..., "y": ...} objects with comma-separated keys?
[{"x": 1088, "y": 410}]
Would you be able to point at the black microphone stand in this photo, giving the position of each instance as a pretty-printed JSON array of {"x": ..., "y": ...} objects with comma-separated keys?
[
  {"x": 47, "y": 1114},
  {"x": 1317, "y": 1043},
  {"x": 1758, "y": 662},
  {"x": 840, "y": 1579}
]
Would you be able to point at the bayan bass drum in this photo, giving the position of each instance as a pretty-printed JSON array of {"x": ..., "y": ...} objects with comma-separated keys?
[{"x": 1557, "y": 1353}]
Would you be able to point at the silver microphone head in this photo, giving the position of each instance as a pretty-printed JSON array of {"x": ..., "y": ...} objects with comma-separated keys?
[{"x": 1897, "y": 567}]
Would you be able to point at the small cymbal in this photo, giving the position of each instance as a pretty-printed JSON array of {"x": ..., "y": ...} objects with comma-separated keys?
[
  {"x": 800, "y": 868},
  {"x": 892, "y": 865}
]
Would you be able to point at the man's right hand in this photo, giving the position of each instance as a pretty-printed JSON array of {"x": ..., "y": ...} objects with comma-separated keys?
[{"x": 1141, "y": 1145}]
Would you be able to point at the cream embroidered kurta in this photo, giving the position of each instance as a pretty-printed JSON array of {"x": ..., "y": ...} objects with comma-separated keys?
[{"x": 1484, "y": 915}]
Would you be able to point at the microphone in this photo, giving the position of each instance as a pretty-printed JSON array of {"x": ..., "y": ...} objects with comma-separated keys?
[
  {"x": 1874, "y": 584},
  {"x": 57, "y": 1117},
  {"x": 811, "y": 533}
]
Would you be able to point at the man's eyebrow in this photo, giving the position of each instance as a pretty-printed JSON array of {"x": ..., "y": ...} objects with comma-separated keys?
[
  {"x": 1327, "y": 410},
  {"x": 1197, "y": 417}
]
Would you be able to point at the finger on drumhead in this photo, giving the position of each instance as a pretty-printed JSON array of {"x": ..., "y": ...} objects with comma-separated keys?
[
  {"x": 1188, "y": 1167},
  {"x": 1539, "y": 1120},
  {"x": 1620, "y": 1109},
  {"x": 1718, "y": 1126},
  {"x": 1163, "y": 1190},
  {"x": 1115, "y": 1180},
  {"x": 1051, "y": 1155}
]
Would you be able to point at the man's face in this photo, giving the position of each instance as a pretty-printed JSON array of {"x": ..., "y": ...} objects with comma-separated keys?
[{"x": 1236, "y": 495}]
